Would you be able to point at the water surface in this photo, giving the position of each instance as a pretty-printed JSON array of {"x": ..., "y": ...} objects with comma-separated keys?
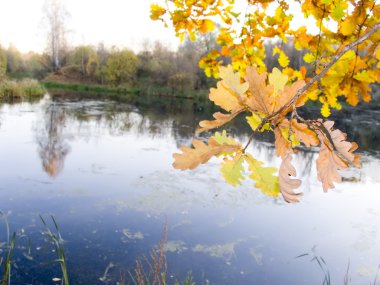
[{"x": 103, "y": 170}]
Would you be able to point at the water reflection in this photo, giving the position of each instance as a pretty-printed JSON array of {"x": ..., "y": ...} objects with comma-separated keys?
[
  {"x": 52, "y": 144},
  {"x": 118, "y": 189}
]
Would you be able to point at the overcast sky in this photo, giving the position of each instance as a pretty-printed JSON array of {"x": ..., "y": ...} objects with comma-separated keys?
[
  {"x": 125, "y": 23},
  {"x": 115, "y": 22}
]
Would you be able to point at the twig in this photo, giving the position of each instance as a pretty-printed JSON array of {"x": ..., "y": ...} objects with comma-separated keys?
[{"x": 317, "y": 77}]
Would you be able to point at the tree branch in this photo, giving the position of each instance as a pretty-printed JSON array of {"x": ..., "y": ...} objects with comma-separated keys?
[{"x": 334, "y": 59}]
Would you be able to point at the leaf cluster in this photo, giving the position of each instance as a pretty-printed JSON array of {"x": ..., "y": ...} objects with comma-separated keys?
[
  {"x": 342, "y": 60},
  {"x": 270, "y": 102}
]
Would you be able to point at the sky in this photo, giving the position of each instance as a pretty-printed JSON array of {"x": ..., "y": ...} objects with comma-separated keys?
[{"x": 124, "y": 23}]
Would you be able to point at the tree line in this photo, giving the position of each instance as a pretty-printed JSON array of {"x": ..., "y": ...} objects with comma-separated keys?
[{"x": 155, "y": 66}]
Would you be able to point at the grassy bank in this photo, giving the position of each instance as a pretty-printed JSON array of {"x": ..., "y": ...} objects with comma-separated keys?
[
  {"x": 23, "y": 89},
  {"x": 89, "y": 88},
  {"x": 125, "y": 91}
]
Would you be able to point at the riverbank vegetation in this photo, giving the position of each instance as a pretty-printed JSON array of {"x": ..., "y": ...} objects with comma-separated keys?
[
  {"x": 20, "y": 89},
  {"x": 154, "y": 70}
]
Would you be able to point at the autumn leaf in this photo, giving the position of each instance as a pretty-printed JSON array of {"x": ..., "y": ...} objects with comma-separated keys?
[
  {"x": 347, "y": 27},
  {"x": 156, "y": 11},
  {"x": 264, "y": 176},
  {"x": 304, "y": 134},
  {"x": 259, "y": 99},
  {"x": 286, "y": 95},
  {"x": 334, "y": 157},
  {"x": 190, "y": 158},
  {"x": 282, "y": 142},
  {"x": 254, "y": 122},
  {"x": 232, "y": 169},
  {"x": 309, "y": 57},
  {"x": 220, "y": 120},
  {"x": 223, "y": 138},
  {"x": 207, "y": 25},
  {"x": 222, "y": 97},
  {"x": 283, "y": 60},
  {"x": 287, "y": 184},
  {"x": 338, "y": 12},
  {"x": 231, "y": 80},
  {"x": 277, "y": 80}
]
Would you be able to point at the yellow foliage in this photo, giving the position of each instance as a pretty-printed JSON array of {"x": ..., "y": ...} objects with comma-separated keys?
[{"x": 245, "y": 86}]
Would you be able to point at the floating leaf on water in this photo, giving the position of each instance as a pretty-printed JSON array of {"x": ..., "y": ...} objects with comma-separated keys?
[
  {"x": 133, "y": 235},
  {"x": 175, "y": 246},
  {"x": 257, "y": 256}
]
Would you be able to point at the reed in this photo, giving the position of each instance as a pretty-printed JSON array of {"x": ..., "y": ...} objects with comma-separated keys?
[
  {"x": 57, "y": 241},
  {"x": 23, "y": 89},
  {"x": 10, "y": 245}
]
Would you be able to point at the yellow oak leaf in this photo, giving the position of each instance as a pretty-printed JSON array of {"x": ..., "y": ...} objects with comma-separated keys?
[
  {"x": 277, "y": 80},
  {"x": 365, "y": 91},
  {"x": 220, "y": 120},
  {"x": 264, "y": 176},
  {"x": 325, "y": 110},
  {"x": 283, "y": 60},
  {"x": 156, "y": 12},
  {"x": 352, "y": 95},
  {"x": 364, "y": 76},
  {"x": 254, "y": 122},
  {"x": 206, "y": 26},
  {"x": 259, "y": 99},
  {"x": 190, "y": 158},
  {"x": 232, "y": 169},
  {"x": 377, "y": 53},
  {"x": 231, "y": 80},
  {"x": 338, "y": 12},
  {"x": 347, "y": 27},
  {"x": 287, "y": 184},
  {"x": 309, "y": 57},
  {"x": 223, "y": 138}
]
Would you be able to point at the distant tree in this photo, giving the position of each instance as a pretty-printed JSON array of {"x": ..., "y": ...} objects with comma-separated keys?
[
  {"x": 36, "y": 65},
  {"x": 162, "y": 64},
  {"x": 86, "y": 57},
  {"x": 121, "y": 67},
  {"x": 3, "y": 63},
  {"x": 14, "y": 60},
  {"x": 55, "y": 16},
  {"x": 102, "y": 54}
]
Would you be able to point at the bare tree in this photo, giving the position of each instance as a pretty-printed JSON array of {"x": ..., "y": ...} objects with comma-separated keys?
[{"x": 55, "y": 18}]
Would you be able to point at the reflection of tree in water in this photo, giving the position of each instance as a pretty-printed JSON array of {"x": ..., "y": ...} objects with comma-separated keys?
[{"x": 52, "y": 146}]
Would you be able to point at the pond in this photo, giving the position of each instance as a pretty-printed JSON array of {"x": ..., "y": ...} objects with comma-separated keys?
[{"x": 103, "y": 170}]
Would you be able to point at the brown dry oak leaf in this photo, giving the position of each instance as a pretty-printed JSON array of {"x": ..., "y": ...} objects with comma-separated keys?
[
  {"x": 286, "y": 95},
  {"x": 259, "y": 99},
  {"x": 190, "y": 158},
  {"x": 220, "y": 120},
  {"x": 287, "y": 184},
  {"x": 224, "y": 98},
  {"x": 304, "y": 134},
  {"x": 334, "y": 157}
]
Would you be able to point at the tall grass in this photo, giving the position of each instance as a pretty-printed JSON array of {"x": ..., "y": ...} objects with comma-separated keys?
[
  {"x": 57, "y": 242},
  {"x": 10, "y": 245},
  {"x": 153, "y": 270},
  {"x": 23, "y": 89}
]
